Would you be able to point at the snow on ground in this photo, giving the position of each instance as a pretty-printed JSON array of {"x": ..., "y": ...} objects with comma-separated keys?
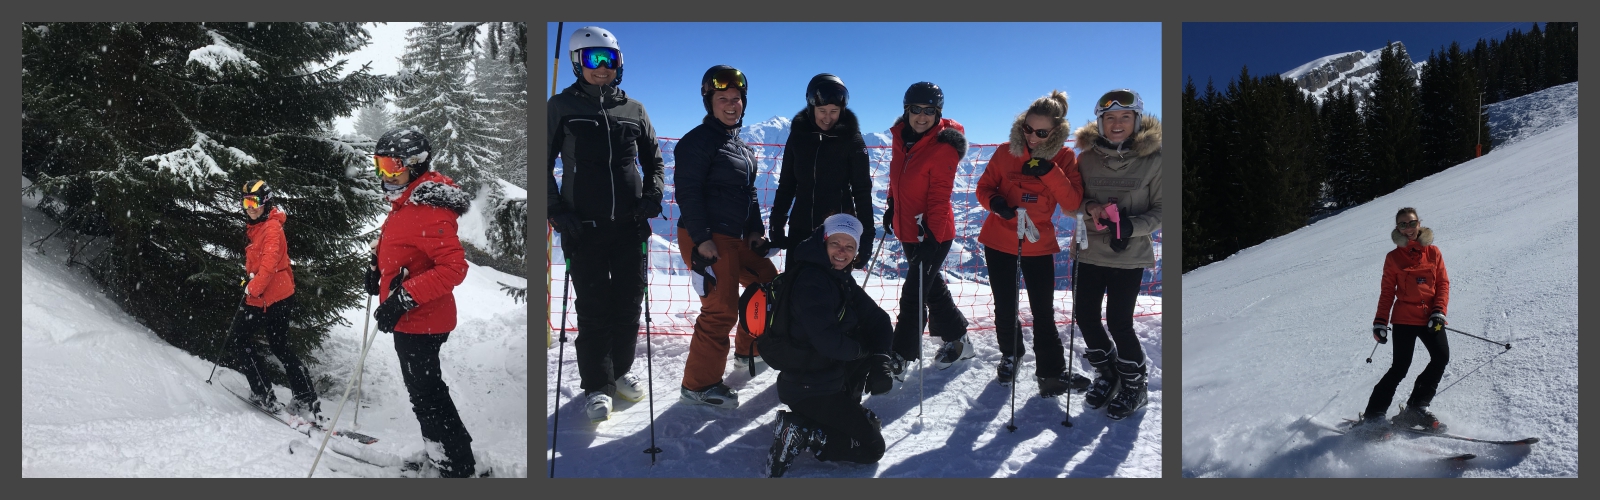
[
  {"x": 102, "y": 396},
  {"x": 1281, "y": 330},
  {"x": 961, "y": 431}
]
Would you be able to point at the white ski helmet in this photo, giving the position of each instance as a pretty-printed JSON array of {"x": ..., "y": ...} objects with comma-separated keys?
[
  {"x": 1120, "y": 100},
  {"x": 592, "y": 36}
]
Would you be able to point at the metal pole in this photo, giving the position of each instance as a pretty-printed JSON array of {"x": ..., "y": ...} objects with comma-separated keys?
[
  {"x": 649, "y": 356},
  {"x": 332, "y": 429},
  {"x": 355, "y": 422},
  {"x": 560, "y": 361},
  {"x": 233, "y": 329}
]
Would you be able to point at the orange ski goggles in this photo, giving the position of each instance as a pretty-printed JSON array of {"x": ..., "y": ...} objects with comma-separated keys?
[{"x": 389, "y": 167}]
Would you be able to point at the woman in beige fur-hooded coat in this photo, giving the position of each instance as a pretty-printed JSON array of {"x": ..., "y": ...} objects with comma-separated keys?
[{"x": 1120, "y": 165}]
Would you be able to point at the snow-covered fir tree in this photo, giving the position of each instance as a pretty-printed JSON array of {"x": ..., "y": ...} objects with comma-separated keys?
[
  {"x": 438, "y": 100},
  {"x": 373, "y": 120},
  {"x": 142, "y": 134}
]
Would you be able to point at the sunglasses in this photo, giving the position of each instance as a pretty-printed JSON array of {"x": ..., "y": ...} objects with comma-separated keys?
[
  {"x": 388, "y": 167},
  {"x": 1040, "y": 133},
  {"x": 726, "y": 79},
  {"x": 1408, "y": 224},
  {"x": 251, "y": 202},
  {"x": 595, "y": 57},
  {"x": 922, "y": 110},
  {"x": 829, "y": 93}
]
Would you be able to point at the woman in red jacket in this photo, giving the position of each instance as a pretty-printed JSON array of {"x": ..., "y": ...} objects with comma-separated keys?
[
  {"x": 922, "y": 172},
  {"x": 1417, "y": 290},
  {"x": 269, "y": 297},
  {"x": 420, "y": 262},
  {"x": 1034, "y": 171}
]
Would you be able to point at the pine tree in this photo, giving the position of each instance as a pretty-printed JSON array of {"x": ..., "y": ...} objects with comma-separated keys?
[
  {"x": 1392, "y": 122},
  {"x": 1196, "y": 163},
  {"x": 143, "y": 133},
  {"x": 373, "y": 120},
  {"x": 438, "y": 101}
]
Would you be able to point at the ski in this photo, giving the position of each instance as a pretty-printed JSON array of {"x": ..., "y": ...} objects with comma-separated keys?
[
  {"x": 1508, "y": 442},
  {"x": 1460, "y": 458},
  {"x": 300, "y": 425},
  {"x": 275, "y": 415},
  {"x": 364, "y": 463},
  {"x": 1343, "y": 428}
]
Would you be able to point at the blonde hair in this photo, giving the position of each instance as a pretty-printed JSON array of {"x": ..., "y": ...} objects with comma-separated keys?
[{"x": 1053, "y": 106}]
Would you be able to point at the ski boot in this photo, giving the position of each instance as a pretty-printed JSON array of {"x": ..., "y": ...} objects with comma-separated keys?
[
  {"x": 1050, "y": 387},
  {"x": 1007, "y": 371},
  {"x": 1371, "y": 427},
  {"x": 1132, "y": 395},
  {"x": 628, "y": 388},
  {"x": 953, "y": 351},
  {"x": 791, "y": 435},
  {"x": 1106, "y": 382},
  {"x": 1418, "y": 417},
  {"x": 266, "y": 401},
  {"x": 598, "y": 406},
  {"x": 897, "y": 367},
  {"x": 308, "y": 409},
  {"x": 718, "y": 395}
]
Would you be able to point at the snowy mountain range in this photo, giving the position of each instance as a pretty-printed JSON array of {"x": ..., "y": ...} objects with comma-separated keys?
[{"x": 1352, "y": 71}]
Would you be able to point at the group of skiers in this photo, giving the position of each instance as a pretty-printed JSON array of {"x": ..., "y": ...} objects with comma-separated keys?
[
  {"x": 824, "y": 216},
  {"x": 417, "y": 262}
]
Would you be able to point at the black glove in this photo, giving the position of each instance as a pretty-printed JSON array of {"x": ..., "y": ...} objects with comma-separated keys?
[
  {"x": 1380, "y": 333},
  {"x": 567, "y": 224},
  {"x": 649, "y": 208},
  {"x": 764, "y": 247},
  {"x": 998, "y": 205},
  {"x": 926, "y": 252},
  {"x": 924, "y": 233},
  {"x": 879, "y": 380},
  {"x": 1436, "y": 322},
  {"x": 1037, "y": 167},
  {"x": 702, "y": 266},
  {"x": 392, "y": 308},
  {"x": 1121, "y": 232},
  {"x": 864, "y": 254},
  {"x": 644, "y": 228},
  {"x": 775, "y": 231},
  {"x": 888, "y": 218},
  {"x": 373, "y": 276}
]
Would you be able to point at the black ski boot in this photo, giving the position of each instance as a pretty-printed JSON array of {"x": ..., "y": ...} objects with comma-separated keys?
[
  {"x": 1050, "y": 387},
  {"x": 266, "y": 401},
  {"x": 1372, "y": 427},
  {"x": 791, "y": 435},
  {"x": 1418, "y": 417},
  {"x": 1007, "y": 371},
  {"x": 1131, "y": 396},
  {"x": 1106, "y": 381}
]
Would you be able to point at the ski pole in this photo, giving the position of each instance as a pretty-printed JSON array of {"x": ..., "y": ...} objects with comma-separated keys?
[
  {"x": 560, "y": 360},
  {"x": 1374, "y": 351},
  {"x": 355, "y": 421},
  {"x": 649, "y": 359},
  {"x": 1507, "y": 345},
  {"x": 1072, "y": 269},
  {"x": 233, "y": 330},
  {"x": 1016, "y": 332},
  {"x": 555, "y": 69},
  {"x": 922, "y": 281},
  {"x": 871, "y": 262},
  {"x": 333, "y": 425}
]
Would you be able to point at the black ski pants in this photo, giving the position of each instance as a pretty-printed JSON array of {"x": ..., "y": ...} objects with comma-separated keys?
[
  {"x": 608, "y": 275},
  {"x": 430, "y": 400},
  {"x": 1405, "y": 339},
  {"x": 273, "y": 322},
  {"x": 942, "y": 317},
  {"x": 852, "y": 437},
  {"x": 1039, "y": 272},
  {"x": 1120, "y": 287}
]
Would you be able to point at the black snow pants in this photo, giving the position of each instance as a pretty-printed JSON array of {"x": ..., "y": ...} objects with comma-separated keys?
[
  {"x": 430, "y": 401},
  {"x": 944, "y": 320},
  {"x": 608, "y": 275},
  {"x": 1039, "y": 274},
  {"x": 1405, "y": 341},
  {"x": 852, "y": 436},
  {"x": 1120, "y": 287},
  {"x": 273, "y": 322}
]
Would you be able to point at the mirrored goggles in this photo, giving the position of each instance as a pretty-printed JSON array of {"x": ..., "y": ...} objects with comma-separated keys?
[
  {"x": 388, "y": 167},
  {"x": 595, "y": 57}
]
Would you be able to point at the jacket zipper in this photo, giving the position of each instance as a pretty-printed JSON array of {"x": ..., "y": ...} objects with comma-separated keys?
[
  {"x": 750, "y": 176},
  {"x": 814, "y": 158},
  {"x": 609, "y": 172}
]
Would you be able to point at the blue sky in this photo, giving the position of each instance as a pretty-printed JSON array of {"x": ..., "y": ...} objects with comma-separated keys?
[
  {"x": 989, "y": 71},
  {"x": 1218, "y": 50}
]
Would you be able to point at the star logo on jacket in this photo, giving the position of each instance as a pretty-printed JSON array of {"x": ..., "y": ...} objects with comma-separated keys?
[
  {"x": 1030, "y": 198},
  {"x": 1033, "y": 163}
]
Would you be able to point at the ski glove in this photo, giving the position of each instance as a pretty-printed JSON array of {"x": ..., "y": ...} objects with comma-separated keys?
[
  {"x": 998, "y": 205},
  {"x": 879, "y": 380},
  {"x": 1038, "y": 166},
  {"x": 705, "y": 278},
  {"x": 567, "y": 225},
  {"x": 888, "y": 217},
  {"x": 649, "y": 208},
  {"x": 644, "y": 230},
  {"x": 924, "y": 233},
  {"x": 398, "y": 303},
  {"x": 926, "y": 251},
  {"x": 1380, "y": 333},
  {"x": 775, "y": 233},
  {"x": 1436, "y": 322},
  {"x": 373, "y": 277},
  {"x": 1121, "y": 229},
  {"x": 863, "y": 254}
]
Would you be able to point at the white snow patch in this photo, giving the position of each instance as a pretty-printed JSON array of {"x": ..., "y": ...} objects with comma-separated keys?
[{"x": 221, "y": 54}]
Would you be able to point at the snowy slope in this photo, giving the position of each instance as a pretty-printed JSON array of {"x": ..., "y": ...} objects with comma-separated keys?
[
  {"x": 961, "y": 432},
  {"x": 102, "y": 396},
  {"x": 1280, "y": 330}
]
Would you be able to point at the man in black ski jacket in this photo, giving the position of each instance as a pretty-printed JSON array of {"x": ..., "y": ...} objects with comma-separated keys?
[
  {"x": 849, "y": 337},
  {"x": 601, "y": 208},
  {"x": 825, "y": 169}
]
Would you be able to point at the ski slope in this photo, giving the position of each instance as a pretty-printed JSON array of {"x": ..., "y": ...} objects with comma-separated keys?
[
  {"x": 1281, "y": 330},
  {"x": 961, "y": 431},
  {"x": 102, "y": 396}
]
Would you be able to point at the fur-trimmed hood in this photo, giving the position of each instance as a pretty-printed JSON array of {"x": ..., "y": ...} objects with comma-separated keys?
[
  {"x": 949, "y": 133},
  {"x": 1147, "y": 142},
  {"x": 1051, "y": 145},
  {"x": 435, "y": 189},
  {"x": 1424, "y": 236},
  {"x": 805, "y": 123}
]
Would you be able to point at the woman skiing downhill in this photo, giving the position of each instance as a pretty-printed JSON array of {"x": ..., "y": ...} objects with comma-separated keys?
[
  {"x": 1035, "y": 171},
  {"x": 927, "y": 149},
  {"x": 720, "y": 235},
  {"x": 1414, "y": 297},
  {"x": 269, "y": 297},
  {"x": 1121, "y": 169},
  {"x": 825, "y": 170}
]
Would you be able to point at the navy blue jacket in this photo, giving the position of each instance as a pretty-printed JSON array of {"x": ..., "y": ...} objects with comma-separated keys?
[{"x": 715, "y": 180}]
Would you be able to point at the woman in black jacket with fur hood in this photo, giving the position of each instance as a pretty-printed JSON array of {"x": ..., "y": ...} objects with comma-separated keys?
[{"x": 825, "y": 169}]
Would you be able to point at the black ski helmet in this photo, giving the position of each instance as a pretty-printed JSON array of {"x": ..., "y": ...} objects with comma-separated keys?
[
  {"x": 260, "y": 189},
  {"x": 706, "y": 87},
  {"x": 926, "y": 94},
  {"x": 825, "y": 89},
  {"x": 409, "y": 145}
]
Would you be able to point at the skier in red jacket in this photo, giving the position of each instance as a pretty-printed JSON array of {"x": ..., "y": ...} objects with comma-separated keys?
[
  {"x": 419, "y": 262},
  {"x": 269, "y": 297},
  {"x": 1416, "y": 289}
]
